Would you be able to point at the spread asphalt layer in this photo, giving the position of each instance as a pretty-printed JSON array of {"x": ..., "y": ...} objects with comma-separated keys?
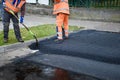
[
  {"x": 91, "y": 52},
  {"x": 91, "y": 44}
]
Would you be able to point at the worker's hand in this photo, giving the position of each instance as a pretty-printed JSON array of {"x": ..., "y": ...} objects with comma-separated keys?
[{"x": 21, "y": 19}]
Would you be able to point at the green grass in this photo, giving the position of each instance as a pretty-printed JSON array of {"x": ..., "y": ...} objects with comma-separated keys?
[{"x": 40, "y": 31}]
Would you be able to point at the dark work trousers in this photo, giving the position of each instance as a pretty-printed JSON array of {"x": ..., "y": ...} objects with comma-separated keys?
[{"x": 6, "y": 21}]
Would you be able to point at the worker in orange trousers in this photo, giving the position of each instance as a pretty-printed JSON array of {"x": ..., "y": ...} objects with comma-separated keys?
[{"x": 61, "y": 10}]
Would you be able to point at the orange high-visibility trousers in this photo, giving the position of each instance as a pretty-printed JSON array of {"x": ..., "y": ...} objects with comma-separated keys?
[{"x": 62, "y": 20}]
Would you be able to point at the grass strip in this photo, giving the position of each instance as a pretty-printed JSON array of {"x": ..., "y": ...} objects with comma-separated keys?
[{"x": 40, "y": 31}]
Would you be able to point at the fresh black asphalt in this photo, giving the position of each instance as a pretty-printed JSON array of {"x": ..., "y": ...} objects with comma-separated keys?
[
  {"x": 91, "y": 52},
  {"x": 91, "y": 44}
]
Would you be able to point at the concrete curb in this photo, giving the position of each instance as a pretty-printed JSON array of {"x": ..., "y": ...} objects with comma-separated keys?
[
  {"x": 15, "y": 46},
  {"x": 11, "y": 47}
]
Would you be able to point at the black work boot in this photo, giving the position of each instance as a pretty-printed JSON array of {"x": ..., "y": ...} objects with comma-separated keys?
[
  {"x": 66, "y": 37},
  {"x": 20, "y": 40}
]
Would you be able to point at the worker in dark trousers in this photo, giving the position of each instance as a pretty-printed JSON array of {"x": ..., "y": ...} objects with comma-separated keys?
[
  {"x": 61, "y": 10},
  {"x": 14, "y": 6}
]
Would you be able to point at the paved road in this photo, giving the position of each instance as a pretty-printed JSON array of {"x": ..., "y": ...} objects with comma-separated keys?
[{"x": 33, "y": 20}]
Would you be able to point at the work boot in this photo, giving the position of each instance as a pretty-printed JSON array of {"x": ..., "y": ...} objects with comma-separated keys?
[
  {"x": 58, "y": 41},
  {"x": 5, "y": 40},
  {"x": 20, "y": 40},
  {"x": 66, "y": 37}
]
